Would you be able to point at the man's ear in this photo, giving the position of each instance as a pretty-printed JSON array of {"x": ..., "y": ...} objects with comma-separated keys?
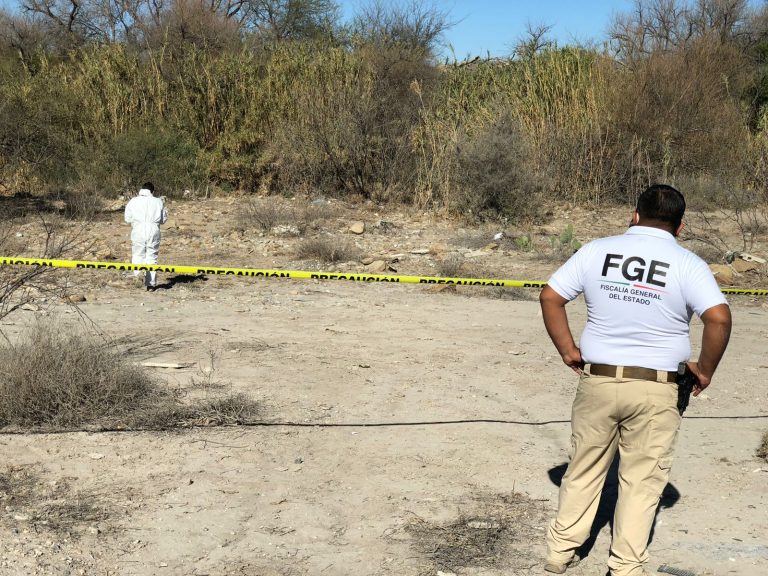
[
  {"x": 635, "y": 217},
  {"x": 679, "y": 229}
]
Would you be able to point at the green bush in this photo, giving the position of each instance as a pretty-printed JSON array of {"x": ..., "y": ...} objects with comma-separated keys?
[
  {"x": 80, "y": 203},
  {"x": 371, "y": 114},
  {"x": 38, "y": 144},
  {"x": 351, "y": 132},
  {"x": 167, "y": 158}
]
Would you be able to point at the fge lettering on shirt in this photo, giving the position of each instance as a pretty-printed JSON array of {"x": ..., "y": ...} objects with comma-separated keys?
[{"x": 634, "y": 280}]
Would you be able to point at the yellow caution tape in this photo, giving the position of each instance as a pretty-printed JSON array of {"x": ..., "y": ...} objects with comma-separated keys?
[
  {"x": 304, "y": 275},
  {"x": 745, "y": 291},
  {"x": 299, "y": 274}
]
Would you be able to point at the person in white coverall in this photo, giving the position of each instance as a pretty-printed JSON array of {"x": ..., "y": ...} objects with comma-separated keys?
[{"x": 145, "y": 213}]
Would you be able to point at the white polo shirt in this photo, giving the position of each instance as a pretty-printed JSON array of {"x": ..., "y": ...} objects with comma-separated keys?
[{"x": 641, "y": 289}]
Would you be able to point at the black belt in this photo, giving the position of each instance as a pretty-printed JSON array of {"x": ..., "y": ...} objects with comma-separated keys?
[{"x": 633, "y": 373}]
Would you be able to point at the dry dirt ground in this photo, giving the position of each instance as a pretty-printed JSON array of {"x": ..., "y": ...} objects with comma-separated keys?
[{"x": 405, "y": 430}]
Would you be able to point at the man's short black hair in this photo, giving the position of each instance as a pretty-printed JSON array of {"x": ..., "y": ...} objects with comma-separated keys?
[
  {"x": 149, "y": 186},
  {"x": 663, "y": 203}
]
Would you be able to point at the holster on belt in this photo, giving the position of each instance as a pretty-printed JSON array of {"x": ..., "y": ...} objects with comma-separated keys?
[{"x": 686, "y": 380}]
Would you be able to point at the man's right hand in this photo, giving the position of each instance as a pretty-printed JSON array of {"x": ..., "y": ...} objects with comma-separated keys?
[
  {"x": 703, "y": 379},
  {"x": 714, "y": 340}
]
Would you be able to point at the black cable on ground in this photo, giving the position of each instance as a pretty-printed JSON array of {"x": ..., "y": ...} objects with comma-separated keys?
[{"x": 276, "y": 424}]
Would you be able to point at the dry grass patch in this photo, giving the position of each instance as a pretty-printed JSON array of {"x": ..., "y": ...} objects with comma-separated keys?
[
  {"x": 327, "y": 250},
  {"x": 264, "y": 214},
  {"x": 30, "y": 500},
  {"x": 64, "y": 380},
  {"x": 53, "y": 379},
  {"x": 223, "y": 410},
  {"x": 252, "y": 346},
  {"x": 314, "y": 214},
  {"x": 504, "y": 293},
  {"x": 494, "y": 531},
  {"x": 274, "y": 215},
  {"x": 472, "y": 240},
  {"x": 215, "y": 410},
  {"x": 452, "y": 266}
]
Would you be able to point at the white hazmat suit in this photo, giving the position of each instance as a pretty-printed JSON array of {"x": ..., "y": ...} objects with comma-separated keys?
[{"x": 145, "y": 213}]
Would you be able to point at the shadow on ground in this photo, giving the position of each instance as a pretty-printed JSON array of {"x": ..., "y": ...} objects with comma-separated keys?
[
  {"x": 607, "y": 505},
  {"x": 181, "y": 279}
]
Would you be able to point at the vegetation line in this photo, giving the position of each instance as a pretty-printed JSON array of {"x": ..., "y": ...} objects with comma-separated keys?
[{"x": 283, "y": 97}]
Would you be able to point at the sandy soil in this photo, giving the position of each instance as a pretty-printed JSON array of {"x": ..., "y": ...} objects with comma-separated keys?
[{"x": 394, "y": 417}]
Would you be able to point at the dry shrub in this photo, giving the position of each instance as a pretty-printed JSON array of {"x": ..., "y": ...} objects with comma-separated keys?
[
  {"x": 369, "y": 112},
  {"x": 451, "y": 266},
  {"x": 59, "y": 379},
  {"x": 495, "y": 175},
  {"x": 316, "y": 213},
  {"x": 403, "y": 78},
  {"x": 756, "y": 162},
  {"x": 319, "y": 143},
  {"x": 496, "y": 531},
  {"x": 729, "y": 218},
  {"x": 81, "y": 204},
  {"x": 166, "y": 156},
  {"x": 702, "y": 192},
  {"x": 21, "y": 205},
  {"x": 554, "y": 102},
  {"x": 557, "y": 100},
  {"x": 326, "y": 250},
  {"x": 762, "y": 450},
  {"x": 350, "y": 132},
  {"x": 222, "y": 409},
  {"x": 21, "y": 284},
  {"x": 186, "y": 23},
  {"x": 225, "y": 410},
  {"x": 38, "y": 119},
  {"x": 468, "y": 541},
  {"x": 681, "y": 107},
  {"x": 65, "y": 380},
  {"x": 264, "y": 214}
]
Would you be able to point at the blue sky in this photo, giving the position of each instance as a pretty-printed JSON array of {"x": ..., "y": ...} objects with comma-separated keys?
[{"x": 493, "y": 26}]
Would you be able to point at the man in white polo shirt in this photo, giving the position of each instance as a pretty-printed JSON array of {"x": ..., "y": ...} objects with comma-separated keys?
[{"x": 641, "y": 289}]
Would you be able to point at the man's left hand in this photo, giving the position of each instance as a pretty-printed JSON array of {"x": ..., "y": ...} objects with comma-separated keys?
[{"x": 573, "y": 360}]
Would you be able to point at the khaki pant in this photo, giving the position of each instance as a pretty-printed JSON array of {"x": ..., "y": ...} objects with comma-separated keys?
[{"x": 640, "y": 418}]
